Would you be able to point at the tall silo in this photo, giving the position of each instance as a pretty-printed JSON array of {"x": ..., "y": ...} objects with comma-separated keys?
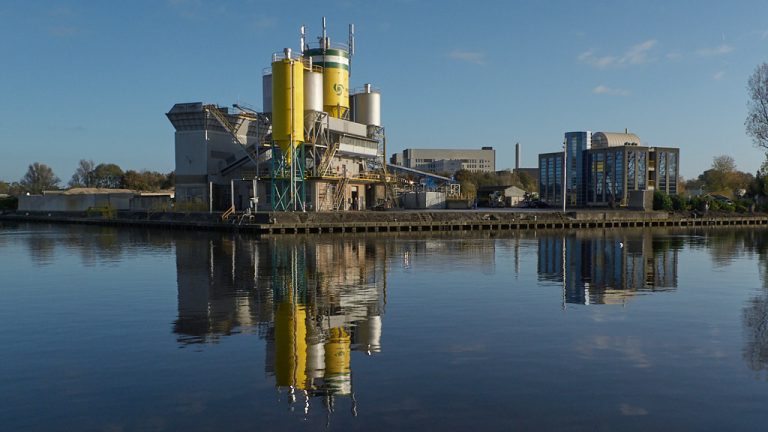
[
  {"x": 287, "y": 103},
  {"x": 334, "y": 60},
  {"x": 313, "y": 88}
]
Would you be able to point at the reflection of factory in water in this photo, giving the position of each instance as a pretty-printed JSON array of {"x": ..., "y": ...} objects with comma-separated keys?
[
  {"x": 313, "y": 302},
  {"x": 607, "y": 268}
]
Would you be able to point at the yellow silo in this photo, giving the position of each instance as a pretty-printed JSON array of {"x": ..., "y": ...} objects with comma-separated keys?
[
  {"x": 287, "y": 103},
  {"x": 338, "y": 374},
  {"x": 335, "y": 64},
  {"x": 291, "y": 345}
]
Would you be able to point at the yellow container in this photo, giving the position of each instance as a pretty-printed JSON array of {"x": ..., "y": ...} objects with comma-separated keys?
[
  {"x": 291, "y": 345},
  {"x": 338, "y": 374},
  {"x": 287, "y": 104},
  {"x": 335, "y": 64}
]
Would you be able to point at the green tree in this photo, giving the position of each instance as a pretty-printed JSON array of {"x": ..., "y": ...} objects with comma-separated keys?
[
  {"x": 661, "y": 201},
  {"x": 39, "y": 177},
  {"x": 724, "y": 178},
  {"x": 109, "y": 176},
  {"x": 144, "y": 180}
]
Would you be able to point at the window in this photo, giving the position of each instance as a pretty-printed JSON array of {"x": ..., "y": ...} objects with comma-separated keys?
[
  {"x": 672, "y": 171},
  {"x": 599, "y": 177},
  {"x": 591, "y": 178},
  {"x": 609, "y": 176},
  {"x": 619, "y": 176}
]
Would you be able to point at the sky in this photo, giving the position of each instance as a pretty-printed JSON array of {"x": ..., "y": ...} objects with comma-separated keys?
[{"x": 94, "y": 79}]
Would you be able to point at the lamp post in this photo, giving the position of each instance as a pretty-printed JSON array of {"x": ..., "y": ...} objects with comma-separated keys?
[{"x": 565, "y": 172}]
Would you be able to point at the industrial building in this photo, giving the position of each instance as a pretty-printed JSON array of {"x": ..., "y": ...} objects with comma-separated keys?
[
  {"x": 607, "y": 169},
  {"x": 315, "y": 145},
  {"x": 447, "y": 160}
]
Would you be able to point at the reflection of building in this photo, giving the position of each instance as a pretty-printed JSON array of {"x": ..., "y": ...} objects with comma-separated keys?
[
  {"x": 217, "y": 289},
  {"x": 314, "y": 303},
  {"x": 607, "y": 169},
  {"x": 603, "y": 269}
]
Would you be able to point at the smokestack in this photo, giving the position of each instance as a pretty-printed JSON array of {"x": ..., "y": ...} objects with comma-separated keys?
[{"x": 517, "y": 156}]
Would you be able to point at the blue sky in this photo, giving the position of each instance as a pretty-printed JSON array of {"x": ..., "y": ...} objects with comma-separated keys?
[{"x": 93, "y": 79}]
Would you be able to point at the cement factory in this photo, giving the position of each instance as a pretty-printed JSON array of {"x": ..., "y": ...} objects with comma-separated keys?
[{"x": 316, "y": 145}]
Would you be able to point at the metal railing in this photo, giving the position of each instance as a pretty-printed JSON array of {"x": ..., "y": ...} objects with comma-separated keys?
[{"x": 230, "y": 211}]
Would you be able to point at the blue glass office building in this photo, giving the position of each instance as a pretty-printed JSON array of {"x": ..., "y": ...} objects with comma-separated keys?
[{"x": 576, "y": 143}]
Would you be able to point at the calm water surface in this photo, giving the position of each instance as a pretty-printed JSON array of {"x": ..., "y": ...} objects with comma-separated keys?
[{"x": 139, "y": 330}]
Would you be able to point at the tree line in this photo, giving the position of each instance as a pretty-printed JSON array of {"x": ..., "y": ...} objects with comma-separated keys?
[{"x": 40, "y": 177}]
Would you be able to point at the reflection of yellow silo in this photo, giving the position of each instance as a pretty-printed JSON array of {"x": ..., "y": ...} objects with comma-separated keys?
[
  {"x": 291, "y": 345},
  {"x": 287, "y": 103},
  {"x": 335, "y": 64},
  {"x": 337, "y": 359}
]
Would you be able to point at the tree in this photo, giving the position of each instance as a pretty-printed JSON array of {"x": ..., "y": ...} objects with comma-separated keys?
[
  {"x": 39, "y": 177},
  {"x": 724, "y": 164},
  {"x": 757, "y": 107},
  {"x": 144, "y": 180},
  {"x": 108, "y": 176},
  {"x": 661, "y": 201},
  {"x": 84, "y": 175},
  {"x": 724, "y": 178}
]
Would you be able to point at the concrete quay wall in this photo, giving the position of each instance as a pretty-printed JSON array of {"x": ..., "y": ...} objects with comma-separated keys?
[{"x": 391, "y": 221}]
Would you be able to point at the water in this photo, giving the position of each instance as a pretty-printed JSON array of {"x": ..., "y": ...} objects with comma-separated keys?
[{"x": 121, "y": 330}]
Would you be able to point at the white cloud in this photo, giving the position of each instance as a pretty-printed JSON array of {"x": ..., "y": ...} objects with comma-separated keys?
[
  {"x": 634, "y": 55},
  {"x": 605, "y": 90},
  {"x": 715, "y": 51},
  {"x": 475, "y": 57},
  {"x": 718, "y": 75},
  {"x": 264, "y": 23},
  {"x": 638, "y": 54}
]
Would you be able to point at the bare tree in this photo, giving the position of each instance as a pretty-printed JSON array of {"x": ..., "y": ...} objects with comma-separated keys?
[
  {"x": 84, "y": 174},
  {"x": 757, "y": 117},
  {"x": 724, "y": 164},
  {"x": 39, "y": 177}
]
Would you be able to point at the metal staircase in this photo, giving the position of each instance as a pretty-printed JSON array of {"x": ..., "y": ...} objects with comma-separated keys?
[
  {"x": 338, "y": 196},
  {"x": 325, "y": 162},
  {"x": 220, "y": 117}
]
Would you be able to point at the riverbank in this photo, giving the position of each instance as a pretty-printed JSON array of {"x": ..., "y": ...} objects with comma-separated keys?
[{"x": 395, "y": 221}]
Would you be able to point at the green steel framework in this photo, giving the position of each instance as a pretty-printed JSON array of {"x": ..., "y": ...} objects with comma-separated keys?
[{"x": 288, "y": 179}]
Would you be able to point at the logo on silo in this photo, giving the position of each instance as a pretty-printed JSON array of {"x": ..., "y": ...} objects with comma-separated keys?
[{"x": 338, "y": 89}]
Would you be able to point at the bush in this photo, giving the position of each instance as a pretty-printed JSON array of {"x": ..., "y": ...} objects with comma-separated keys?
[
  {"x": 9, "y": 203},
  {"x": 697, "y": 203},
  {"x": 678, "y": 203},
  {"x": 661, "y": 201}
]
